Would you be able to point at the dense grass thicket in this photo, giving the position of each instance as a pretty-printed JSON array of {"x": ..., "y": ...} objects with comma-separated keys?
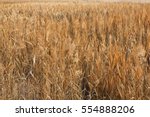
[{"x": 74, "y": 51}]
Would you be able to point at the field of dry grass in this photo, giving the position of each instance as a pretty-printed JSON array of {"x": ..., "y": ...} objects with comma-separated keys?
[{"x": 74, "y": 51}]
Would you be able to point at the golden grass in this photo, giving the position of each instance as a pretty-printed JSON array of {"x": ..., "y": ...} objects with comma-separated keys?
[{"x": 74, "y": 51}]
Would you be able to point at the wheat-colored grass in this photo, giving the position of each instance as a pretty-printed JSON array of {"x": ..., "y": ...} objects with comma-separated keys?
[{"x": 74, "y": 51}]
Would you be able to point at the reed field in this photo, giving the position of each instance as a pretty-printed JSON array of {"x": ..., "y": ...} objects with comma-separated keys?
[{"x": 74, "y": 51}]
